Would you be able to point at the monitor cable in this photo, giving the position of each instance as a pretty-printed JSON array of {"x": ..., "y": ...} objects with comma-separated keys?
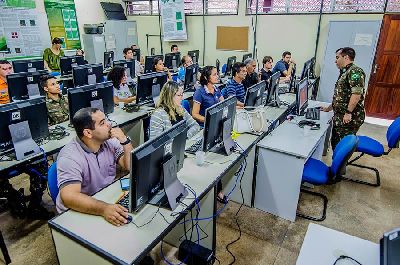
[{"x": 343, "y": 257}]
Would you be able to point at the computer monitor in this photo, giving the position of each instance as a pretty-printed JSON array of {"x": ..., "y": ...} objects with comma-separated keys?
[
  {"x": 231, "y": 61},
  {"x": 67, "y": 62},
  {"x": 302, "y": 96},
  {"x": 190, "y": 76},
  {"x": 21, "y": 86},
  {"x": 245, "y": 56},
  {"x": 108, "y": 59},
  {"x": 195, "y": 55},
  {"x": 148, "y": 62},
  {"x": 129, "y": 66},
  {"x": 87, "y": 74},
  {"x": 390, "y": 247},
  {"x": 172, "y": 61},
  {"x": 136, "y": 54},
  {"x": 293, "y": 82},
  {"x": 305, "y": 73},
  {"x": 273, "y": 96},
  {"x": 99, "y": 96},
  {"x": 148, "y": 179},
  {"x": 255, "y": 94},
  {"x": 218, "y": 126},
  {"x": 28, "y": 65},
  {"x": 34, "y": 111},
  {"x": 149, "y": 86}
]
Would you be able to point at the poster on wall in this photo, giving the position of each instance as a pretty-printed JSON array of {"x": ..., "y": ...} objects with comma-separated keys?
[
  {"x": 173, "y": 20},
  {"x": 63, "y": 23}
]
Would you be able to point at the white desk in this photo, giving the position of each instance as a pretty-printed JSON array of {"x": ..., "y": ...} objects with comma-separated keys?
[
  {"x": 323, "y": 245},
  {"x": 282, "y": 155}
]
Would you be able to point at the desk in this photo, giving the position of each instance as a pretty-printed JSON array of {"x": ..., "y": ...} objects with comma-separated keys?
[
  {"x": 281, "y": 159},
  {"x": 323, "y": 245}
]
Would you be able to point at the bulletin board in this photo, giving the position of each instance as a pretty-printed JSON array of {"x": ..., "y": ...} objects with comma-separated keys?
[{"x": 232, "y": 38}]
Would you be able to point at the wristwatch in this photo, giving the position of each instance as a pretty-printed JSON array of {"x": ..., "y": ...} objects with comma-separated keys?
[{"x": 128, "y": 140}]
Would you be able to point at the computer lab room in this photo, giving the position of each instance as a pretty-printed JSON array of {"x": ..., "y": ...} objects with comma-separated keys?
[{"x": 246, "y": 132}]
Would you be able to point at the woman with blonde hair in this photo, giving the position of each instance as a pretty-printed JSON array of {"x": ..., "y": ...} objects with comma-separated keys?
[{"x": 169, "y": 111}]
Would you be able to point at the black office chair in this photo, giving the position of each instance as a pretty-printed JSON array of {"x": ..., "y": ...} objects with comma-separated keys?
[
  {"x": 217, "y": 64},
  {"x": 4, "y": 250}
]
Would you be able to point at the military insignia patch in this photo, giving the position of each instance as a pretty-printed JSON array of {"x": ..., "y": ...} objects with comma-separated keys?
[{"x": 355, "y": 76}]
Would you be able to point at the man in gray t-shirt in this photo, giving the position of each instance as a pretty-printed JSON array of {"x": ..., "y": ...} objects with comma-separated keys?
[{"x": 88, "y": 163}]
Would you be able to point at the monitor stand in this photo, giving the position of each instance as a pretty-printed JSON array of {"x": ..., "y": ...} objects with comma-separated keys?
[
  {"x": 21, "y": 136},
  {"x": 227, "y": 146},
  {"x": 276, "y": 101},
  {"x": 173, "y": 191}
]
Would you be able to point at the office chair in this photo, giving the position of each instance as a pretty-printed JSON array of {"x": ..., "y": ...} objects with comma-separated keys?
[
  {"x": 4, "y": 250},
  {"x": 217, "y": 64},
  {"x": 370, "y": 146},
  {"x": 186, "y": 105},
  {"x": 52, "y": 181},
  {"x": 223, "y": 69},
  {"x": 318, "y": 173}
]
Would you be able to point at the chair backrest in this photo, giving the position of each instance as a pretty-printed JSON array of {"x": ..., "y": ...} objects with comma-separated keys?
[
  {"x": 393, "y": 134},
  {"x": 217, "y": 65},
  {"x": 186, "y": 105},
  {"x": 175, "y": 78},
  {"x": 52, "y": 181},
  {"x": 223, "y": 70},
  {"x": 342, "y": 153}
]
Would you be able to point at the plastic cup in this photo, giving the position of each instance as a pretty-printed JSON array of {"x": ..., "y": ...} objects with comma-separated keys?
[
  {"x": 200, "y": 157},
  {"x": 120, "y": 105}
]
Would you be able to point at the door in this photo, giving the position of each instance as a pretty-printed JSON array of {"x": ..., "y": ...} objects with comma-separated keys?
[
  {"x": 383, "y": 94},
  {"x": 362, "y": 36}
]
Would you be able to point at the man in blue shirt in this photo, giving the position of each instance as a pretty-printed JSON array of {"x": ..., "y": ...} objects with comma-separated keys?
[
  {"x": 185, "y": 62},
  {"x": 234, "y": 87},
  {"x": 285, "y": 66}
]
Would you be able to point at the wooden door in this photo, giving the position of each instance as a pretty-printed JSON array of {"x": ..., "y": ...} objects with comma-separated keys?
[{"x": 383, "y": 94}]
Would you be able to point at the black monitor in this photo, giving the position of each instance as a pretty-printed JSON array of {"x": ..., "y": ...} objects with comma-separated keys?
[
  {"x": 108, "y": 59},
  {"x": 195, "y": 55},
  {"x": 292, "y": 85},
  {"x": 67, "y": 62},
  {"x": 147, "y": 163},
  {"x": 302, "y": 96},
  {"x": 231, "y": 61},
  {"x": 219, "y": 118},
  {"x": 390, "y": 248},
  {"x": 23, "y": 85},
  {"x": 190, "y": 76},
  {"x": 148, "y": 62},
  {"x": 28, "y": 65},
  {"x": 136, "y": 54},
  {"x": 87, "y": 74},
  {"x": 129, "y": 66},
  {"x": 32, "y": 110},
  {"x": 273, "y": 97},
  {"x": 305, "y": 73},
  {"x": 255, "y": 94},
  {"x": 245, "y": 56},
  {"x": 149, "y": 86},
  {"x": 172, "y": 60},
  {"x": 99, "y": 96}
]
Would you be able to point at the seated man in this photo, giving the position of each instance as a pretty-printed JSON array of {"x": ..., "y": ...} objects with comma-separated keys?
[
  {"x": 57, "y": 104},
  {"x": 234, "y": 87},
  {"x": 252, "y": 76},
  {"x": 285, "y": 66},
  {"x": 128, "y": 55},
  {"x": 185, "y": 62},
  {"x": 134, "y": 46},
  {"x": 5, "y": 69},
  {"x": 266, "y": 72},
  {"x": 88, "y": 164},
  {"x": 174, "y": 48}
]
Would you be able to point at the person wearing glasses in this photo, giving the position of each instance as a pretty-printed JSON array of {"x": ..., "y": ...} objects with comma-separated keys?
[
  {"x": 56, "y": 103},
  {"x": 169, "y": 111},
  {"x": 5, "y": 69}
]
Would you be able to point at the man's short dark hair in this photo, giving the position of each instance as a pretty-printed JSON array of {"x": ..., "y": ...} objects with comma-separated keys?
[
  {"x": 266, "y": 59},
  {"x": 57, "y": 40},
  {"x": 236, "y": 67},
  {"x": 4, "y": 62},
  {"x": 286, "y": 53},
  {"x": 126, "y": 50},
  {"x": 83, "y": 120},
  {"x": 173, "y": 47},
  {"x": 347, "y": 51},
  {"x": 44, "y": 79}
]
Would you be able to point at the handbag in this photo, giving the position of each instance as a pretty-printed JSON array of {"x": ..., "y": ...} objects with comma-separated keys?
[{"x": 251, "y": 120}]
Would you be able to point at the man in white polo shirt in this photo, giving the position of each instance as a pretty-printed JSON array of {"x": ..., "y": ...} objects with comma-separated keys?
[{"x": 88, "y": 163}]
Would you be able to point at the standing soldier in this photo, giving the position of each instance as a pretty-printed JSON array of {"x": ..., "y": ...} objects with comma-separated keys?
[{"x": 348, "y": 97}]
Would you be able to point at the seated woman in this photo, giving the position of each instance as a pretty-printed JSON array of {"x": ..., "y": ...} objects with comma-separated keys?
[
  {"x": 169, "y": 111},
  {"x": 51, "y": 56},
  {"x": 158, "y": 66},
  {"x": 118, "y": 77}
]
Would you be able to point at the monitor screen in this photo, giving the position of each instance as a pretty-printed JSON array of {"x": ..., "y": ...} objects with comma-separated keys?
[
  {"x": 149, "y": 86},
  {"x": 172, "y": 60},
  {"x": 231, "y": 61},
  {"x": 254, "y": 95},
  {"x": 87, "y": 74},
  {"x": 302, "y": 96},
  {"x": 148, "y": 62},
  {"x": 245, "y": 56},
  {"x": 306, "y": 69},
  {"x": 28, "y": 65},
  {"x": 99, "y": 96},
  {"x": 108, "y": 59},
  {"x": 67, "y": 62},
  {"x": 129, "y": 66},
  {"x": 32, "y": 110},
  {"x": 21, "y": 86},
  {"x": 136, "y": 54},
  {"x": 213, "y": 126},
  {"x": 147, "y": 161},
  {"x": 195, "y": 55},
  {"x": 191, "y": 76}
]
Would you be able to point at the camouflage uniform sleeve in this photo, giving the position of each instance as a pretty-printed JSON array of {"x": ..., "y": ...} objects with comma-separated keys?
[{"x": 356, "y": 81}]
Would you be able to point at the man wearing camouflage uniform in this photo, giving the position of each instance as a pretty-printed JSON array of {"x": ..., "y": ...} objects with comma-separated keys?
[
  {"x": 57, "y": 104},
  {"x": 348, "y": 97}
]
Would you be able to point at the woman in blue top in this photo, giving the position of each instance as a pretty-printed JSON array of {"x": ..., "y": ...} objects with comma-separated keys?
[{"x": 207, "y": 95}]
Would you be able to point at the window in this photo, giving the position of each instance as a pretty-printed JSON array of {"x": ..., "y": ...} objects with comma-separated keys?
[{"x": 393, "y": 6}]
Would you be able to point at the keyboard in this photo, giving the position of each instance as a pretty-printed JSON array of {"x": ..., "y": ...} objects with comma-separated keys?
[
  {"x": 124, "y": 200},
  {"x": 312, "y": 114},
  {"x": 195, "y": 147}
]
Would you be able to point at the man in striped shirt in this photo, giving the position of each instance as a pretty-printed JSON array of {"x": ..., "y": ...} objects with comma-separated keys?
[{"x": 234, "y": 87}]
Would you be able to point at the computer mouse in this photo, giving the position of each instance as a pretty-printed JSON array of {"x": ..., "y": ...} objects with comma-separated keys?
[{"x": 129, "y": 219}]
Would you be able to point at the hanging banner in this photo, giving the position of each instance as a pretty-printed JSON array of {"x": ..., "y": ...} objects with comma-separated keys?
[
  {"x": 62, "y": 22},
  {"x": 173, "y": 20}
]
